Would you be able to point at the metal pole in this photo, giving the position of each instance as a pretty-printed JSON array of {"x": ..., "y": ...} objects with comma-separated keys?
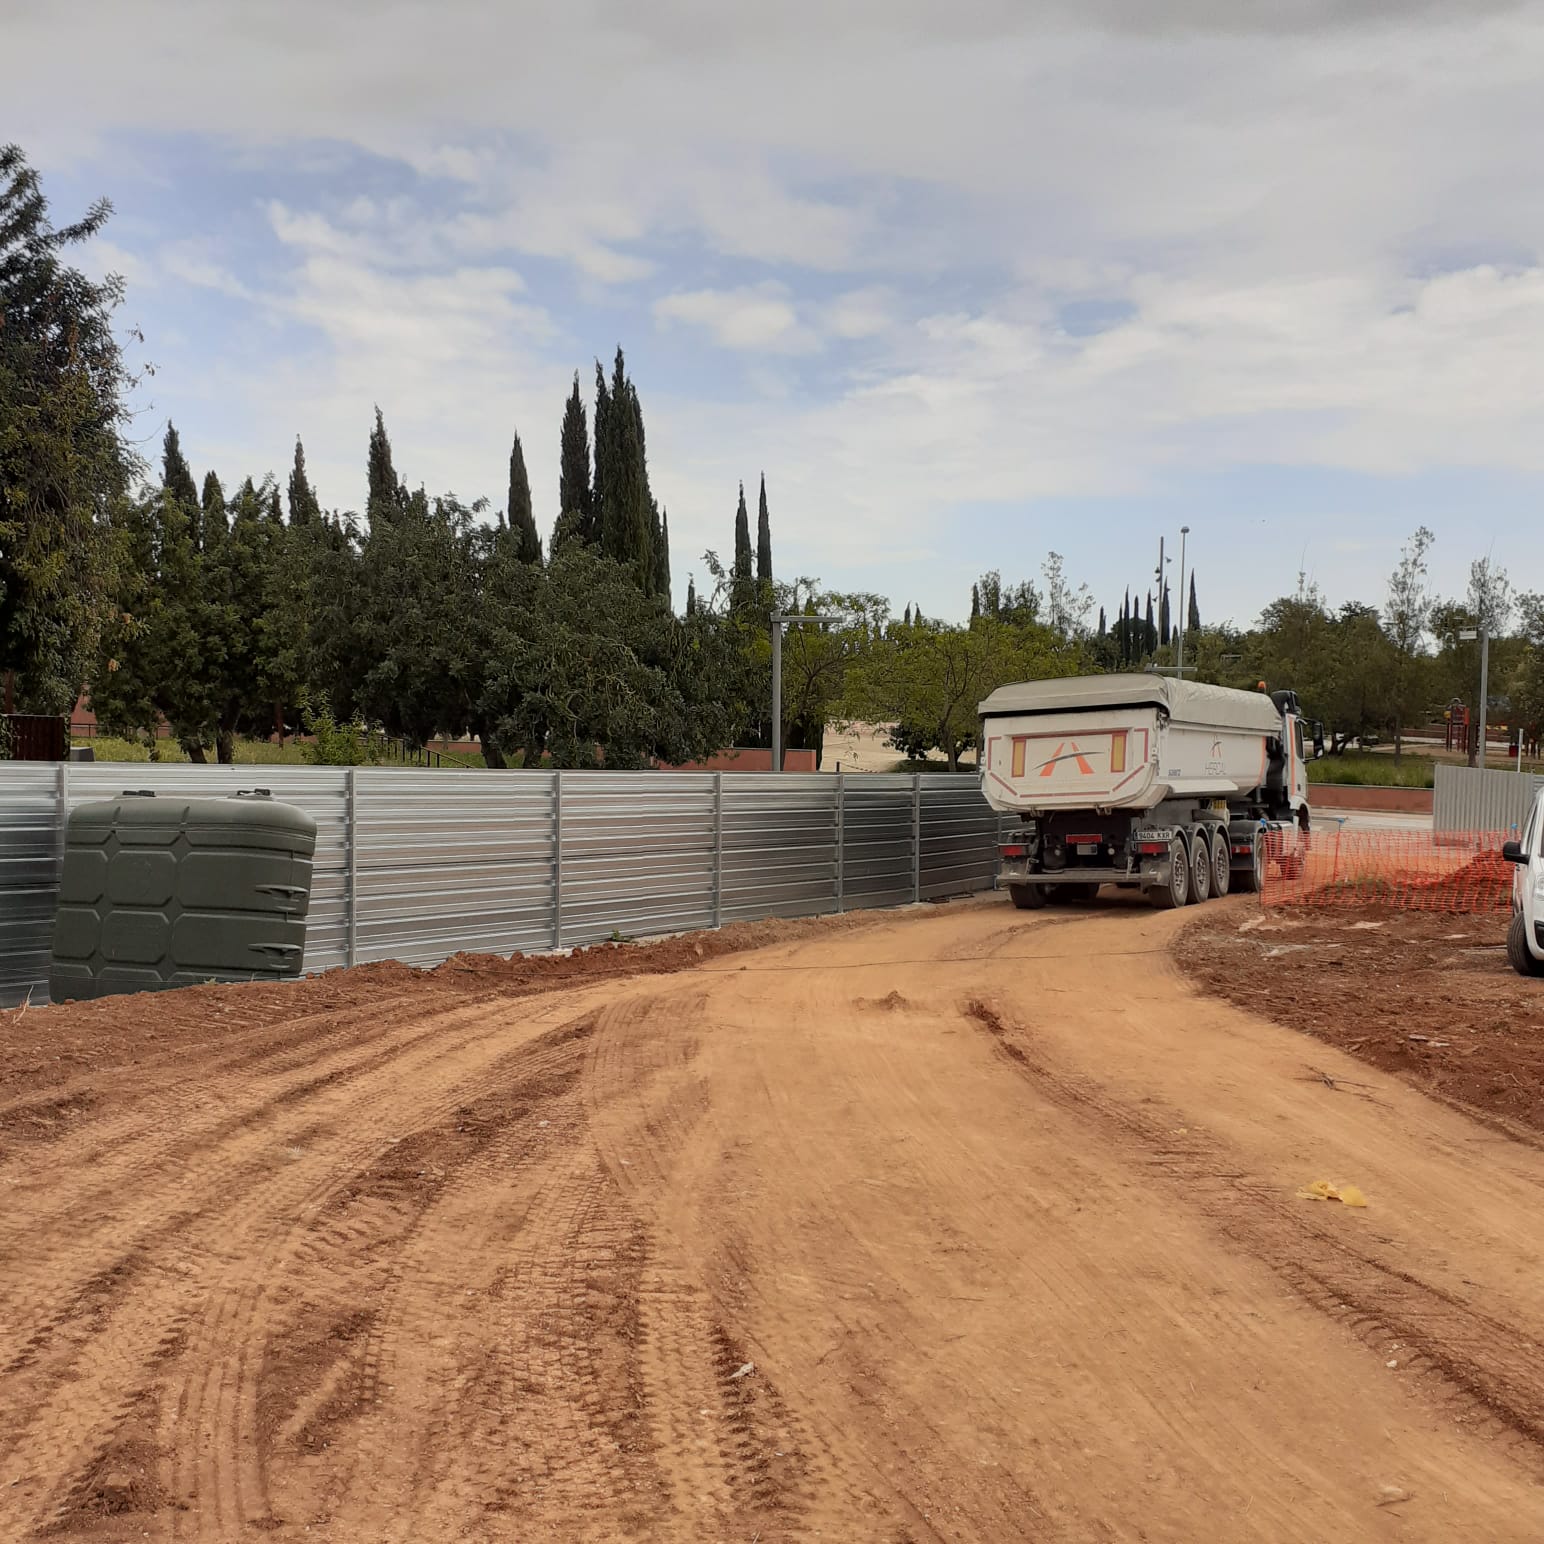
[
  {"x": 841, "y": 789},
  {"x": 1184, "y": 531},
  {"x": 557, "y": 860},
  {"x": 916, "y": 837},
  {"x": 718, "y": 849},
  {"x": 62, "y": 794},
  {"x": 1484, "y": 685},
  {"x": 777, "y": 694},
  {"x": 351, "y": 857}
]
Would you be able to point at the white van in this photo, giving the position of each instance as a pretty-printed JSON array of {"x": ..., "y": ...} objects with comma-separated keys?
[{"x": 1525, "y": 936}]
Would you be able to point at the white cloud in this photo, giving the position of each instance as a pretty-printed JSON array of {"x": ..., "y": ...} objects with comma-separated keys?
[{"x": 755, "y": 317}]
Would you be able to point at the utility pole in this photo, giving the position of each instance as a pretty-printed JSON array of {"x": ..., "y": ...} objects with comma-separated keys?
[
  {"x": 780, "y": 620},
  {"x": 1184, "y": 531}
]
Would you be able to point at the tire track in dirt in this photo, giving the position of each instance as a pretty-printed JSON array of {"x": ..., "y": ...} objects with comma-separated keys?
[{"x": 1486, "y": 1369}]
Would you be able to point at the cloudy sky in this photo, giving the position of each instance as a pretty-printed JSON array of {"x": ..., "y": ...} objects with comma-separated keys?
[{"x": 969, "y": 281}]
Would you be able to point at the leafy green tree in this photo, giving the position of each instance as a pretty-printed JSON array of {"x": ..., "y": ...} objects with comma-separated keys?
[
  {"x": 1408, "y": 614},
  {"x": 63, "y": 460},
  {"x": 522, "y": 518}
]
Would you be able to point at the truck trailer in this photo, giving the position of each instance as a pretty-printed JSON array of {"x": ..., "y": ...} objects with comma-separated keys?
[{"x": 1175, "y": 788}]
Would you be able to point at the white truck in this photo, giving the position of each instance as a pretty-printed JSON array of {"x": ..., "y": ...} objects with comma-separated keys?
[{"x": 1168, "y": 786}]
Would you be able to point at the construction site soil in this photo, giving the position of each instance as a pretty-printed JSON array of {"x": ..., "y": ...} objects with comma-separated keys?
[
  {"x": 950, "y": 1224},
  {"x": 1426, "y": 996}
]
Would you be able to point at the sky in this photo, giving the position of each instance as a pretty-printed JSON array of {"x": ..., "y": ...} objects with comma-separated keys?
[{"x": 968, "y": 282}]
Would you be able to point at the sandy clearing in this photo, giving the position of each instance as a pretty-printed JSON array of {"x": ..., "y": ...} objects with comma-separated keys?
[{"x": 951, "y": 1225}]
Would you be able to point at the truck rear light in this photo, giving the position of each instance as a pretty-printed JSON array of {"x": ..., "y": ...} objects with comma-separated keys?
[
  {"x": 1088, "y": 836},
  {"x": 1151, "y": 849},
  {"x": 1014, "y": 852}
]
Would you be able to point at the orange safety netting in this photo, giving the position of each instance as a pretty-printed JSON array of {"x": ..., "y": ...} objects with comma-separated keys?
[{"x": 1441, "y": 871}]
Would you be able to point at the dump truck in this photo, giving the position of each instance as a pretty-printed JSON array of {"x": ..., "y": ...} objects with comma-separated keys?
[{"x": 1172, "y": 787}]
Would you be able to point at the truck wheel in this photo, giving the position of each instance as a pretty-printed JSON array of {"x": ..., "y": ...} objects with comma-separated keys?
[
  {"x": 1027, "y": 897},
  {"x": 1222, "y": 863},
  {"x": 1173, "y": 894},
  {"x": 1200, "y": 869},
  {"x": 1517, "y": 950},
  {"x": 1251, "y": 880}
]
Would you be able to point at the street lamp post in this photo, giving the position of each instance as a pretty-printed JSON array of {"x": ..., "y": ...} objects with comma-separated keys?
[
  {"x": 1184, "y": 531},
  {"x": 1483, "y": 634},
  {"x": 780, "y": 620}
]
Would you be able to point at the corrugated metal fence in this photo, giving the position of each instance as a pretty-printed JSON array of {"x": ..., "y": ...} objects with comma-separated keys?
[
  {"x": 415, "y": 866},
  {"x": 1476, "y": 799}
]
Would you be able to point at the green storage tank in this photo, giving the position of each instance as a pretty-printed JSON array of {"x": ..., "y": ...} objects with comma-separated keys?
[{"x": 161, "y": 892}]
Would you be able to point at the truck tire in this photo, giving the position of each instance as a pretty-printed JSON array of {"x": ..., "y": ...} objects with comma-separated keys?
[
  {"x": 1027, "y": 897},
  {"x": 1200, "y": 869},
  {"x": 1251, "y": 880},
  {"x": 1517, "y": 950},
  {"x": 1175, "y": 893},
  {"x": 1222, "y": 863}
]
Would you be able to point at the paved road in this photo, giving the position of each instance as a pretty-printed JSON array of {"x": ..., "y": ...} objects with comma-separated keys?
[{"x": 949, "y": 1225}]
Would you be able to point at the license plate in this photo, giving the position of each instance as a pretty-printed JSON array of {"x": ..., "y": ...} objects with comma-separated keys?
[{"x": 1087, "y": 849}]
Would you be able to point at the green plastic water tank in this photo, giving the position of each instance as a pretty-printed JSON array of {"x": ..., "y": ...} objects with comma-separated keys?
[{"x": 161, "y": 892}]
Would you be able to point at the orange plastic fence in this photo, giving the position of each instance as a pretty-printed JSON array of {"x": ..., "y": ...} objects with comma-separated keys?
[{"x": 1443, "y": 871}]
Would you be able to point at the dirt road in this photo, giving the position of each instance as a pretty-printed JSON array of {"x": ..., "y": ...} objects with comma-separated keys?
[{"x": 945, "y": 1225}]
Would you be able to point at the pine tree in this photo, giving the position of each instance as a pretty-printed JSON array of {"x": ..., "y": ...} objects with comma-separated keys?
[
  {"x": 304, "y": 507},
  {"x": 386, "y": 497},
  {"x": 1193, "y": 619},
  {"x": 176, "y": 477},
  {"x": 741, "y": 584},
  {"x": 574, "y": 467},
  {"x": 764, "y": 547},
  {"x": 522, "y": 518}
]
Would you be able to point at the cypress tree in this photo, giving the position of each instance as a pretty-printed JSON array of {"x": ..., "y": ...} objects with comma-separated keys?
[
  {"x": 603, "y": 456},
  {"x": 1103, "y": 631},
  {"x": 661, "y": 585},
  {"x": 1148, "y": 632},
  {"x": 574, "y": 466},
  {"x": 1164, "y": 631},
  {"x": 212, "y": 526},
  {"x": 691, "y": 595},
  {"x": 176, "y": 477},
  {"x": 907, "y": 619},
  {"x": 522, "y": 519},
  {"x": 385, "y": 499},
  {"x": 975, "y": 603},
  {"x": 1193, "y": 620},
  {"x": 304, "y": 507},
  {"x": 741, "y": 583},
  {"x": 764, "y": 545}
]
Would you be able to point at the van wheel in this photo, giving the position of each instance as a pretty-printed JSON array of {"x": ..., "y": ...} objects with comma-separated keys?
[
  {"x": 1200, "y": 869},
  {"x": 1027, "y": 897},
  {"x": 1517, "y": 950},
  {"x": 1176, "y": 892}
]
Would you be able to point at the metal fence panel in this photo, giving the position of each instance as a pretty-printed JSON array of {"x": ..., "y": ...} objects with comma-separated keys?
[
  {"x": 417, "y": 865},
  {"x": 449, "y": 861},
  {"x": 1482, "y": 798}
]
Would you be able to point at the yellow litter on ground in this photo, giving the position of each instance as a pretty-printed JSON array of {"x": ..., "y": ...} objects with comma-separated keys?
[{"x": 1322, "y": 1190}]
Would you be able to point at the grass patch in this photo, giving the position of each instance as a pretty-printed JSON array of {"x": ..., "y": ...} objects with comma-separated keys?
[{"x": 1369, "y": 768}]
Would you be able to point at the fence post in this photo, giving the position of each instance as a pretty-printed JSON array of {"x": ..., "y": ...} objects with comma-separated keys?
[
  {"x": 557, "y": 860},
  {"x": 841, "y": 823},
  {"x": 351, "y": 851},
  {"x": 62, "y": 795},
  {"x": 718, "y": 849},
  {"x": 916, "y": 838}
]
